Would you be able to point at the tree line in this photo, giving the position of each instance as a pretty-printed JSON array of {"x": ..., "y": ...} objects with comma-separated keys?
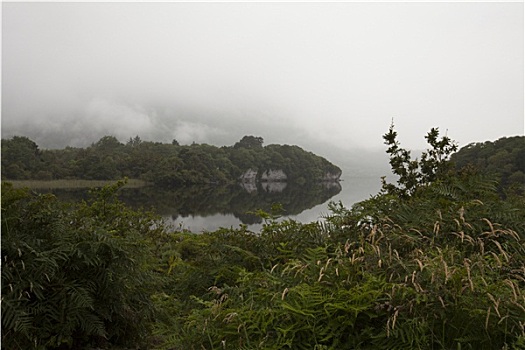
[
  {"x": 503, "y": 158},
  {"x": 160, "y": 163},
  {"x": 435, "y": 260}
]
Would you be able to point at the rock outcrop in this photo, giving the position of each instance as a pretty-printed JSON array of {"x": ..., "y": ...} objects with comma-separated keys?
[
  {"x": 274, "y": 176},
  {"x": 278, "y": 175},
  {"x": 332, "y": 177}
]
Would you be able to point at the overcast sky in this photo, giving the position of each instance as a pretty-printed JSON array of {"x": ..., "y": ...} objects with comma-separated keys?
[{"x": 312, "y": 74}]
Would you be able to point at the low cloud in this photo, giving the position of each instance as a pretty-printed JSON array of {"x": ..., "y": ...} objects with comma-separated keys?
[
  {"x": 309, "y": 74},
  {"x": 104, "y": 117},
  {"x": 186, "y": 132},
  {"x": 121, "y": 120}
]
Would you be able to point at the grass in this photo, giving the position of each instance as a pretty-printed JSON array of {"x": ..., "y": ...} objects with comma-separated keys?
[{"x": 53, "y": 184}]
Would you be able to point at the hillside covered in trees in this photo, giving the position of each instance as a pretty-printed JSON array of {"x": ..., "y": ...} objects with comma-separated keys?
[
  {"x": 435, "y": 260},
  {"x": 503, "y": 158},
  {"x": 163, "y": 164}
]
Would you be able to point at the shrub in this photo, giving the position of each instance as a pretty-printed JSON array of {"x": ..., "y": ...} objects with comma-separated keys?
[{"x": 73, "y": 276}]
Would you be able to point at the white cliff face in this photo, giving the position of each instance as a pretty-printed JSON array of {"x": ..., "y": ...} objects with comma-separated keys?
[
  {"x": 274, "y": 175},
  {"x": 331, "y": 176},
  {"x": 249, "y": 175},
  {"x": 278, "y": 175}
]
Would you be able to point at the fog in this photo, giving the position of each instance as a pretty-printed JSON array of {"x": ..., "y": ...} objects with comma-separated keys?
[{"x": 329, "y": 77}]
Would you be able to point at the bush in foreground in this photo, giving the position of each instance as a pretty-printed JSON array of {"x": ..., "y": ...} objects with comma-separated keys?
[{"x": 74, "y": 276}]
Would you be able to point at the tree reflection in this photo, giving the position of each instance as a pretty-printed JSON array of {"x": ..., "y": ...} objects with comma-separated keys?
[{"x": 212, "y": 200}]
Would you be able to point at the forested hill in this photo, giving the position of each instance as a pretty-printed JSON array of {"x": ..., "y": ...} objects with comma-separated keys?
[
  {"x": 503, "y": 158},
  {"x": 166, "y": 164}
]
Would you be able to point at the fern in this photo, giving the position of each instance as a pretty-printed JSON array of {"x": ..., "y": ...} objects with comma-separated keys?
[{"x": 68, "y": 278}]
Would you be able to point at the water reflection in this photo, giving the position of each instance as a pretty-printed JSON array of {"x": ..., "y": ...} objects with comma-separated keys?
[
  {"x": 201, "y": 208},
  {"x": 237, "y": 200}
]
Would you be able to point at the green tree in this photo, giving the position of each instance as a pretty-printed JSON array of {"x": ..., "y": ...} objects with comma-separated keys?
[
  {"x": 108, "y": 144},
  {"x": 504, "y": 159},
  {"x": 413, "y": 174},
  {"x": 133, "y": 142},
  {"x": 249, "y": 142},
  {"x": 21, "y": 158}
]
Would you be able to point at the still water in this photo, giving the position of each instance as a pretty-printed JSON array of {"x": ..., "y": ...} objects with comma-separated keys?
[
  {"x": 304, "y": 204},
  {"x": 208, "y": 208}
]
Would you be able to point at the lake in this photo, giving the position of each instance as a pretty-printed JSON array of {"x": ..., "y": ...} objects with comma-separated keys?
[
  {"x": 207, "y": 208},
  {"x": 212, "y": 208},
  {"x": 301, "y": 204}
]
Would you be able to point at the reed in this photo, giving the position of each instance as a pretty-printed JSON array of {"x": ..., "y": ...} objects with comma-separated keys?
[{"x": 65, "y": 184}]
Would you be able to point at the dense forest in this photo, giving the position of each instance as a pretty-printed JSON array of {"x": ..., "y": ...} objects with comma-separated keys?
[
  {"x": 503, "y": 158},
  {"x": 435, "y": 260},
  {"x": 161, "y": 163}
]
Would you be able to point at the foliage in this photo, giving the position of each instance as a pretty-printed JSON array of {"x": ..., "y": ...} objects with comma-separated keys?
[
  {"x": 427, "y": 273},
  {"x": 442, "y": 268},
  {"x": 74, "y": 276},
  {"x": 437, "y": 262},
  {"x": 21, "y": 158},
  {"x": 413, "y": 173},
  {"x": 503, "y": 158},
  {"x": 249, "y": 142},
  {"x": 163, "y": 164}
]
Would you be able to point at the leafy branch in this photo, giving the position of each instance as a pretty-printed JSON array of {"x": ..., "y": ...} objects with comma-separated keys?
[{"x": 416, "y": 173}]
